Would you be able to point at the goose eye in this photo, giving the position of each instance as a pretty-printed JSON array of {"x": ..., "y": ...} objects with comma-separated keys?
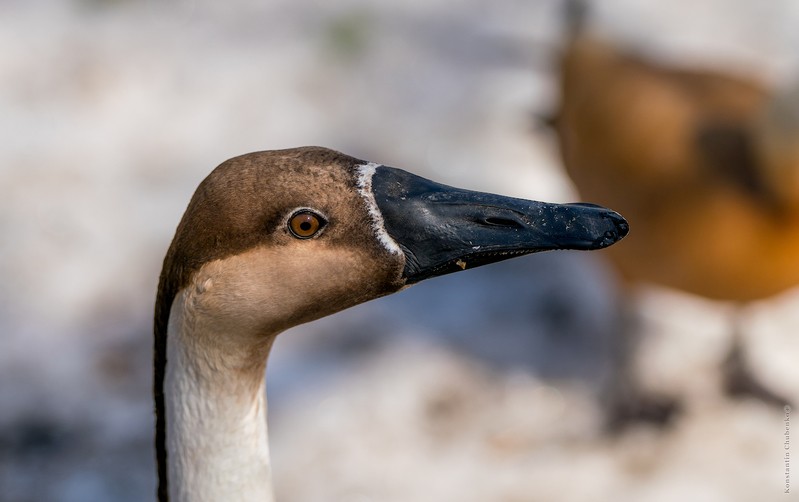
[{"x": 305, "y": 224}]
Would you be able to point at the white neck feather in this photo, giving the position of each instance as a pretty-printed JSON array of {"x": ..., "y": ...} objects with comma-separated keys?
[{"x": 216, "y": 438}]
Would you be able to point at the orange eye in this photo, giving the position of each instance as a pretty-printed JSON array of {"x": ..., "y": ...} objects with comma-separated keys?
[{"x": 305, "y": 224}]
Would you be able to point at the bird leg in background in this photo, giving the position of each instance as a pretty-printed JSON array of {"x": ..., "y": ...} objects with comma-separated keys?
[
  {"x": 626, "y": 403},
  {"x": 737, "y": 376}
]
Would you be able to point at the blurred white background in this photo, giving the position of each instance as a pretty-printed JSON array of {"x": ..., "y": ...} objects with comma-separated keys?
[{"x": 476, "y": 387}]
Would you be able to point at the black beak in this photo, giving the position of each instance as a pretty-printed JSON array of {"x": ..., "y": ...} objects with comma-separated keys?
[{"x": 442, "y": 229}]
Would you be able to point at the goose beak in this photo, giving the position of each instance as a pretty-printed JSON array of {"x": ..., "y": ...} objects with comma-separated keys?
[{"x": 442, "y": 229}]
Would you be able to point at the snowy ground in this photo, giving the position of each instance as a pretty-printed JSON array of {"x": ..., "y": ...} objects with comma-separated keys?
[{"x": 479, "y": 386}]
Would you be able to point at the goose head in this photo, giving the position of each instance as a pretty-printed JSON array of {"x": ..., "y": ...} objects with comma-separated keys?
[{"x": 279, "y": 238}]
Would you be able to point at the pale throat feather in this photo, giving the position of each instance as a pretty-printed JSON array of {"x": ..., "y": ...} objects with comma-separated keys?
[{"x": 217, "y": 446}]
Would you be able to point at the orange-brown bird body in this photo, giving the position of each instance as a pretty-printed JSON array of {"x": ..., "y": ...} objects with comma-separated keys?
[{"x": 698, "y": 163}]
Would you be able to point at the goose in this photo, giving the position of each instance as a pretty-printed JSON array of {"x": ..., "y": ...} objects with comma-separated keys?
[
  {"x": 274, "y": 239},
  {"x": 704, "y": 164}
]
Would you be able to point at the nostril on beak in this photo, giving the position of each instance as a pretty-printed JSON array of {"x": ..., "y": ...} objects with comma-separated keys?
[{"x": 502, "y": 222}]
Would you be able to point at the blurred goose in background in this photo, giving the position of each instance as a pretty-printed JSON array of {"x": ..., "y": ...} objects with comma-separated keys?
[
  {"x": 275, "y": 239},
  {"x": 704, "y": 165}
]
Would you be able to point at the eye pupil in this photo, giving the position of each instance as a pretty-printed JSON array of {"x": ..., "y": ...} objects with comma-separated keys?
[{"x": 305, "y": 224}]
